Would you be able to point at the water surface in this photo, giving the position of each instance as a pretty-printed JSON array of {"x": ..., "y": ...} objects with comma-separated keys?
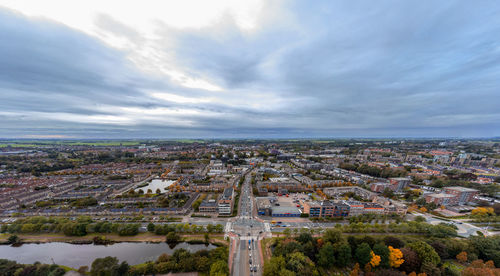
[
  {"x": 74, "y": 255},
  {"x": 156, "y": 184}
]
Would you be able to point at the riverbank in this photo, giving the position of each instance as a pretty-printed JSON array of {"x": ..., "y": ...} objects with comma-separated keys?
[{"x": 141, "y": 237}]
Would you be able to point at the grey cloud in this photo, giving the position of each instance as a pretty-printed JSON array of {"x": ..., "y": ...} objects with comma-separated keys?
[{"x": 341, "y": 68}]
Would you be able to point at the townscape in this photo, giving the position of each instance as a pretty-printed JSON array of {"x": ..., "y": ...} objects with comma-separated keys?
[
  {"x": 251, "y": 196},
  {"x": 249, "y": 138}
]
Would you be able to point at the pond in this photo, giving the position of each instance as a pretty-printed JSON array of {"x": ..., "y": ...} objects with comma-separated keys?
[
  {"x": 76, "y": 255},
  {"x": 156, "y": 184}
]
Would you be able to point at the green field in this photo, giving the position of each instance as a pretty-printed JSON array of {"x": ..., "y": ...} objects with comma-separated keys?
[{"x": 40, "y": 143}]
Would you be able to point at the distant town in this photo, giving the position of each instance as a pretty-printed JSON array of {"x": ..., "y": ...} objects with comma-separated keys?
[{"x": 247, "y": 195}]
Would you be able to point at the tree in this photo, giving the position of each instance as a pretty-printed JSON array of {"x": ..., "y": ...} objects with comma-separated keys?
[
  {"x": 496, "y": 207},
  {"x": 107, "y": 266},
  {"x": 333, "y": 236},
  {"x": 355, "y": 270},
  {"x": 326, "y": 257},
  {"x": 430, "y": 269},
  {"x": 488, "y": 248},
  {"x": 151, "y": 227},
  {"x": 287, "y": 232},
  {"x": 219, "y": 228},
  {"x": 390, "y": 272},
  {"x": 172, "y": 237},
  {"x": 219, "y": 268},
  {"x": 299, "y": 263},
  {"x": 343, "y": 254},
  {"x": 388, "y": 193},
  {"x": 83, "y": 269},
  {"x": 478, "y": 267},
  {"x": 14, "y": 239},
  {"x": 462, "y": 257},
  {"x": 395, "y": 257},
  {"x": 394, "y": 242},
  {"x": 375, "y": 259},
  {"x": 412, "y": 261},
  {"x": 363, "y": 254},
  {"x": 482, "y": 211},
  {"x": 383, "y": 252},
  {"x": 123, "y": 268},
  {"x": 441, "y": 249},
  {"x": 276, "y": 267},
  {"x": 419, "y": 219},
  {"x": 425, "y": 252},
  {"x": 304, "y": 238}
]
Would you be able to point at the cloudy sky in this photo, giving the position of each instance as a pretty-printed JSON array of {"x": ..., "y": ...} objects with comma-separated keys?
[{"x": 219, "y": 69}]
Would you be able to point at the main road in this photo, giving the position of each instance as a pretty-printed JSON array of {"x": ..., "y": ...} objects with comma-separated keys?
[{"x": 246, "y": 232}]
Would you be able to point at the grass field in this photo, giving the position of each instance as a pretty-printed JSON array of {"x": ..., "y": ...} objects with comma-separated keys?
[{"x": 35, "y": 144}]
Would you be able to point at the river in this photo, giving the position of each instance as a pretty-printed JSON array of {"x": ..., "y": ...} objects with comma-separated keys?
[{"x": 74, "y": 255}]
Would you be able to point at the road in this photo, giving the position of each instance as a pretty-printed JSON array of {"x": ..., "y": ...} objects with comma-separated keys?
[
  {"x": 464, "y": 229},
  {"x": 245, "y": 232}
]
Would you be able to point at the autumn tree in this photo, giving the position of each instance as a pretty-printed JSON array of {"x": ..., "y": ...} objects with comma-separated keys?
[
  {"x": 375, "y": 259},
  {"x": 355, "y": 270},
  {"x": 462, "y": 257},
  {"x": 483, "y": 211},
  {"x": 395, "y": 257}
]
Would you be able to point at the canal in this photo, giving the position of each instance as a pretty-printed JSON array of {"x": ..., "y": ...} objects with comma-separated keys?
[{"x": 74, "y": 255}]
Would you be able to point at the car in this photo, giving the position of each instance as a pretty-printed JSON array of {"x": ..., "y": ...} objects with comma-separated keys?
[{"x": 250, "y": 261}]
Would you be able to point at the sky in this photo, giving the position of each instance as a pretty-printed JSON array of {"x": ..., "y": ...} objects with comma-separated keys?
[{"x": 249, "y": 69}]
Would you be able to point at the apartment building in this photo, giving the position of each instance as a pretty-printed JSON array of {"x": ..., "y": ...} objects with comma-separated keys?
[
  {"x": 462, "y": 194},
  {"x": 208, "y": 206},
  {"x": 225, "y": 204}
]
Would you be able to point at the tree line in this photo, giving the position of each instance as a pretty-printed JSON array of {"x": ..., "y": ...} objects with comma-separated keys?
[
  {"x": 333, "y": 252},
  {"x": 84, "y": 225}
]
